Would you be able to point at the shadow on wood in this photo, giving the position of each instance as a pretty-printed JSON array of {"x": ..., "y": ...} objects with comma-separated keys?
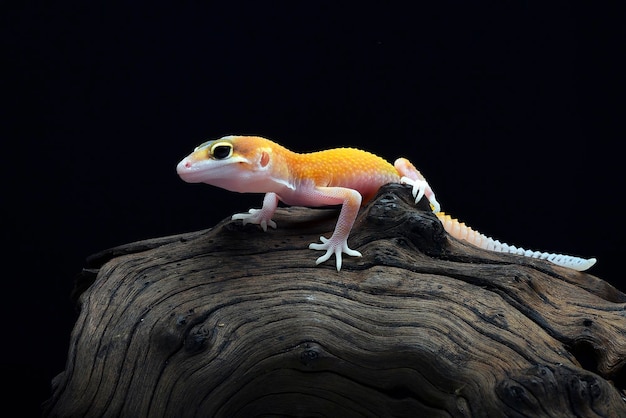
[{"x": 235, "y": 322}]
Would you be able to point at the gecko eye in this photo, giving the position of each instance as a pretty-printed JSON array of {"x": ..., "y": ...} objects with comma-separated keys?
[{"x": 221, "y": 150}]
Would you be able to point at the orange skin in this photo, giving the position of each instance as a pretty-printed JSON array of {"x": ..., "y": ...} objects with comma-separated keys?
[{"x": 342, "y": 176}]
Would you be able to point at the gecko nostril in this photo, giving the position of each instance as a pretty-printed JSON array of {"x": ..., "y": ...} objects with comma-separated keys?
[{"x": 183, "y": 167}]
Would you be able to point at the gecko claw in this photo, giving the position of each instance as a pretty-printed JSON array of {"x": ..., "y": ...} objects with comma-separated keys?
[
  {"x": 256, "y": 217},
  {"x": 420, "y": 188},
  {"x": 331, "y": 248}
]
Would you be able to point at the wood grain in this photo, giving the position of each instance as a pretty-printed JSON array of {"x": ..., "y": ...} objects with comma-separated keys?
[{"x": 235, "y": 322}]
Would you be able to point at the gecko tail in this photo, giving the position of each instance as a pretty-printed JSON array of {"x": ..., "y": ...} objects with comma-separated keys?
[{"x": 463, "y": 232}]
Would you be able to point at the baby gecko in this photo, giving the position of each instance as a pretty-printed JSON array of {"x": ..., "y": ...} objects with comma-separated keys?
[{"x": 342, "y": 176}]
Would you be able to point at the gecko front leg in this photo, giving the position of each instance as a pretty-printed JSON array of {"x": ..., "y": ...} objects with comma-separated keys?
[
  {"x": 263, "y": 216},
  {"x": 338, "y": 242}
]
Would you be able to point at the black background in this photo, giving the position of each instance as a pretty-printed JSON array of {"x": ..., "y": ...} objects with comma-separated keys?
[{"x": 510, "y": 110}]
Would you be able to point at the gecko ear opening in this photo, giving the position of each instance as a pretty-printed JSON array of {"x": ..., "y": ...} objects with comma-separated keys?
[{"x": 265, "y": 158}]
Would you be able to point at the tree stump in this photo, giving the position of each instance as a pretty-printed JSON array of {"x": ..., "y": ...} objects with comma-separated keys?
[{"x": 236, "y": 322}]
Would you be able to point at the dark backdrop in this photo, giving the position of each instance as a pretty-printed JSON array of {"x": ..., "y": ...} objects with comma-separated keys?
[{"x": 510, "y": 110}]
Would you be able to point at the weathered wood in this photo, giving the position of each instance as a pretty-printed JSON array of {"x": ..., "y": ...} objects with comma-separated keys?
[{"x": 235, "y": 322}]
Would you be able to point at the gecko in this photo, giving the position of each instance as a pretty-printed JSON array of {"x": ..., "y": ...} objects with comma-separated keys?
[{"x": 348, "y": 177}]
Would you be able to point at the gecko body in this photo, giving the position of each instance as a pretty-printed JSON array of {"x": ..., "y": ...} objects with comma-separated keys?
[{"x": 342, "y": 176}]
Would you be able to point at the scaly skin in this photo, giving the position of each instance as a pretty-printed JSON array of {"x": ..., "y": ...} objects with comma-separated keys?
[{"x": 346, "y": 176}]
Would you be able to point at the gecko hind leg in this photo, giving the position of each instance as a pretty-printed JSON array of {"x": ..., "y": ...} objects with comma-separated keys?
[
  {"x": 411, "y": 176},
  {"x": 421, "y": 188}
]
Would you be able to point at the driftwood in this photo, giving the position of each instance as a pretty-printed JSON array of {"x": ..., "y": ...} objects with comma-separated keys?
[{"x": 236, "y": 322}]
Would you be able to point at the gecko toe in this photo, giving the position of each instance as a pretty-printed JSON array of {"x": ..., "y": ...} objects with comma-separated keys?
[{"x": 323, "y": 258}]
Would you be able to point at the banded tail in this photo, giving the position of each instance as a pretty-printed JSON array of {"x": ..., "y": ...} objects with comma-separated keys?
[{"x": 463, "y": 232}]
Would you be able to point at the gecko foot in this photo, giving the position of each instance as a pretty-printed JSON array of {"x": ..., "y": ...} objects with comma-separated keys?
[
  {"x": 255, "y": 216},
  {"x": 421, "y": 187},
  {"x": 336, "y": 247}
]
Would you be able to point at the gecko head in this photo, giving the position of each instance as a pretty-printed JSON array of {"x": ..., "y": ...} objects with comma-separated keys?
[{"x": 236, "y": 163}]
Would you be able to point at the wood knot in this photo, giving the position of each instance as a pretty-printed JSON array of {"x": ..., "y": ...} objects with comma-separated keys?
[
  {"x": 394, "y": 214},
  {"x": 310, "y": 354},
  {"x": 532, "y": 389}
]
